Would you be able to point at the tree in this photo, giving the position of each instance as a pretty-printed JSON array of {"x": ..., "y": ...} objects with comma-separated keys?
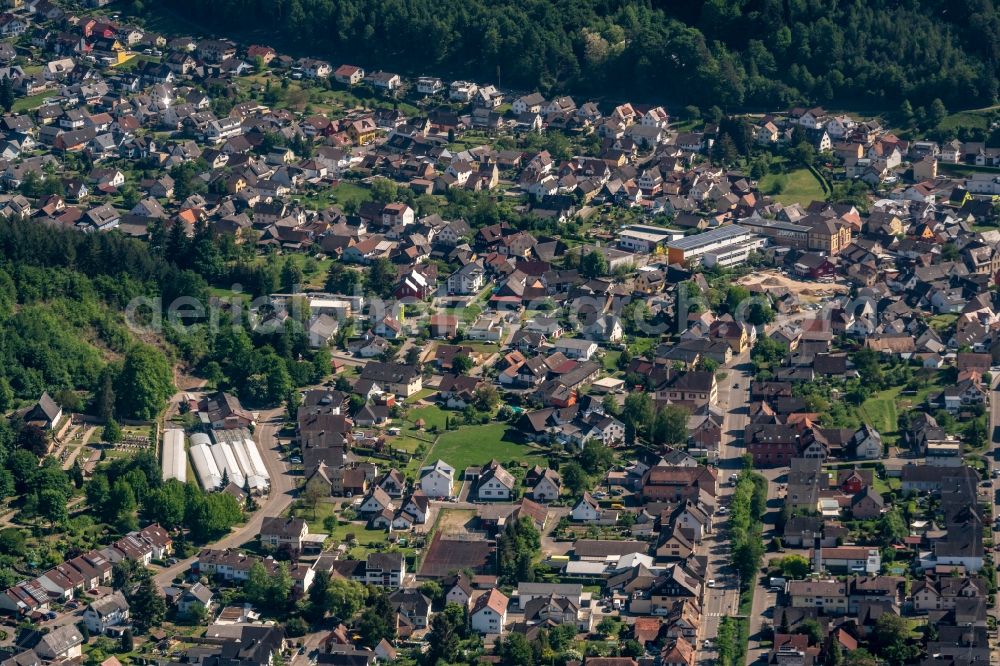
[
  {"x": 12, "y": 542},
  {"x": 378, "y": 621},
  {"x": 312, "y": 494},
  {"x": 795, "y": 566},
  {"x": 33, "y": 438},
  {"x": 125, "y": 573},
  {"x": 610, "y": 405},
  {"x": 860, "y": 657},
  {"x": 146, "y": 606},
  {"x": 637, "y": 413},
  {"x": 104, "y": 401},
  {"x": 122, "y": 506},
  {"x": 447, "y": 628},
  {"x": 515, "y": 650},
  {"x": 127, "y": 643},
  {"x": 486, "y": 398},
  {"x": 6, "y": 94},
  {"x": 461, "y": 364},
  {"x": 609, "y": 627},
  {"x": 344, "y": 598},
  {"x": 112, "y": 432},
  {"x": 811, "y": 628},
  {"x": 381, "y": 277},
  {"x": 892, "y": 527},
  {"x": 595, "y": 457},
  {"x": 266, "y": 589},
  {"x": 291, "y": 275},
  {"x": 341, "y": 280},
  {"x": 518, "y": 546},
  {"x": 52, "y": 506},
  {"x": 144, "y": 384},
  {"x": 905, "y": 112},
  {"x": 890, "y": 639},
  {"x": 670, "y": 426},
  {"x": 937, "y": 112},
  {"x": 165, "y": 505},
  {"x": 803, "y": 154},
  {"x": 593, "y": 264},
  {"x": 760, "y": 313},
  {"x": 384, "y": 190},
  {"x": 573, "y": 477},
  {"x": 130, "y": 196}
]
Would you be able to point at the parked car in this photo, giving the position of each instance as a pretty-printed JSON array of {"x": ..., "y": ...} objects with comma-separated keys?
[{"x": 711, "y": 582}]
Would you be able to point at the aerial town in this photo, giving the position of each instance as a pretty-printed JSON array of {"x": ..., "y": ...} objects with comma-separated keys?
[{"x": 311, "y": 365}]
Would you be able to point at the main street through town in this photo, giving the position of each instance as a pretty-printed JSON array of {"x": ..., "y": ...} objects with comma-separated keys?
[{"x": 723, "y": 599}]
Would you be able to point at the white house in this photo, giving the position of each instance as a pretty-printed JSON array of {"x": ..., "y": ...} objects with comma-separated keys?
[
  {"x": 547, "y": 487},
  {"x": 469, "y": 279},
  {"x": 457, "y": 589},
  {"x": 487, "y": 328},
  {"x": 586, "y": 510},
  {"x": 489, "y": 614},
  {"x": 429, "y": 85},
  {"x": 867, "y": 443},
  {"x": 437, "y": 480},
  {"x": 576, "y": 349},
  {"x": 61, "y": 644},
  {"x": 462, "y": 91},
  {"x": 108, "y": 611},
  {"x": 196, "y": 596},
  {"x": 495, "y": 483},
  {"x": 532, "y": 103}
]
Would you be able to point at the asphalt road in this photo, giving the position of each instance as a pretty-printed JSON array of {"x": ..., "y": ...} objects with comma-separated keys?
[
  {"x": 723, "y": 599},
  {"x": 276, "y": 502}
]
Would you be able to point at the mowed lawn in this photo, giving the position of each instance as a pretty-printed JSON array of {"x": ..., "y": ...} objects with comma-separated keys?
[
  {"x": 881, "y": 411},
  {"x": 476, "y": 445},
  {"x": 800, "y": 187}
]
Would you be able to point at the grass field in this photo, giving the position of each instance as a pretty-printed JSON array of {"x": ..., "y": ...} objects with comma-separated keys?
[
  {"x": 477, "y": 445},
  {"x": 942, "y": 322},
  {"x": 880, "y": 411},
  {"x": 800, "y": 186},
  {"x": 365, "y": 537},
  {"x": 432, "y": 416},
  {"x": 28, "y": 103},
  {"x": 639, "y": 346},
  {"x": 420, "y": 395},
  {"x": 964, "y": 119}
]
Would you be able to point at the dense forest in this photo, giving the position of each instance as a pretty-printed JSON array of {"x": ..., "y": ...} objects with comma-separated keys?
[
  {"x": 730, "y": 53},
  {"x": 62, "y": 298}
]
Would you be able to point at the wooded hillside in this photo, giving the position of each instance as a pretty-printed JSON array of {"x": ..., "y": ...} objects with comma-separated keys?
[{"x": 730, "y": 53}]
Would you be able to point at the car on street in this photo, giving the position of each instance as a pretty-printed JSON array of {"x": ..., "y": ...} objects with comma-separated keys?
[
  {"x": 708, "y": 644},
  {"x": 711, "y": 582},
  {"x": 722, "y": 511}
]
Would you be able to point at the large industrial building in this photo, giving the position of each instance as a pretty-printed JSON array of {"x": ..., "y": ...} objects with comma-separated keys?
[{"x": 726, "y": 246}]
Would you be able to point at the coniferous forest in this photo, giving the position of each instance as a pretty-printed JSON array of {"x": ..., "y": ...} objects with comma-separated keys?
[{"x": 731, "y": 53}]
